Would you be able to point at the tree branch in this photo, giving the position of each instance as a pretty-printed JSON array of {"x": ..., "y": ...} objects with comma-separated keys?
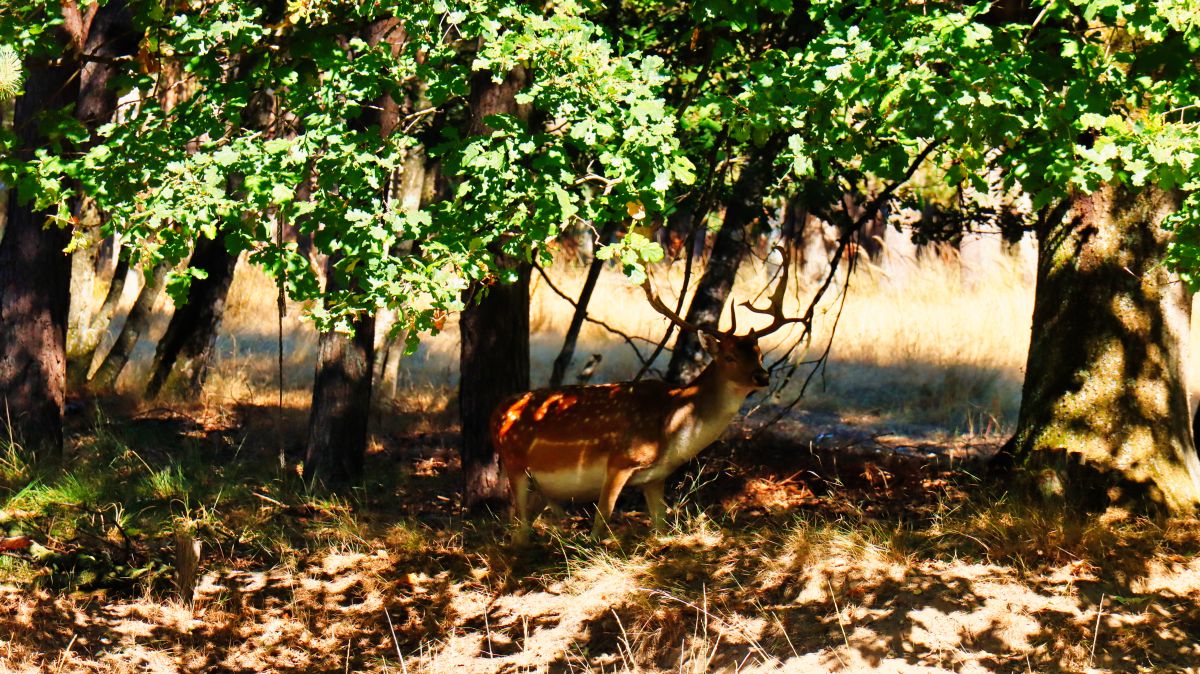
[{"x": 628, "y": 338}]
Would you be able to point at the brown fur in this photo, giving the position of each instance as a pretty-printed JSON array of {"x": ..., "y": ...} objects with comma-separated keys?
[{"x": 624, "y": 427}]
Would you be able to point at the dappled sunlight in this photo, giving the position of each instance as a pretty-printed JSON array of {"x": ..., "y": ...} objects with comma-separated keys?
[{"x": 862, "y": 573}]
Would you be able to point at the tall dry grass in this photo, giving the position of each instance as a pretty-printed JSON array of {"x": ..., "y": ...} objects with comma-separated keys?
[{"x": 928, "y": 339}]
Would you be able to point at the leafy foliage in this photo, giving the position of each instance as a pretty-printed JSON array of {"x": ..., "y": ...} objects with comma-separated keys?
[
  {"x": 636, "y": 109},
  {"x": 228, "y": 110}
]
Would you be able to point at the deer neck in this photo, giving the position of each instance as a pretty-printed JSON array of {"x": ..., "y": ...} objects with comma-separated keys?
[
  {"x": 715, "y": 393},
  {"x": 704, "y": 411}
]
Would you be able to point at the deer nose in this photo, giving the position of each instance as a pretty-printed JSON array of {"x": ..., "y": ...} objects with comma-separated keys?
[{"x": 762, "y": 378}]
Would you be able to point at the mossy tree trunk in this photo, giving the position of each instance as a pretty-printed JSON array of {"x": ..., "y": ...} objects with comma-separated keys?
[{"x": 1104, "y": 413}]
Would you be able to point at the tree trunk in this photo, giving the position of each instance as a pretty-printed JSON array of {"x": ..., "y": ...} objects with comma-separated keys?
[
  {"x": 79, "y": 365},
  {"x": 341, "y": 398},
  {"x": 136, "y": 323},
  {"x": 494, "y": 329},
  {"x": 563, "y": 361},
  {"x": 729, "y": 249},
  {"x": 35, "y": 276},
  {"x": 409, "y": 195},
  {"x": 1104, "y": 415},
  {"x": 494, "y": 364},
  {"x": 82, "y": 290},
  {"x": 111, "y": 34},
  {"x": 185, "y": 351},
  {"x": 341, "y": 401}
]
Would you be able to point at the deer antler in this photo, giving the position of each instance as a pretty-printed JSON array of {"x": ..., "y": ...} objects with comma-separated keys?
[
  {"x": 775, "y": 308},
  {"x": 666, "y": 311}
]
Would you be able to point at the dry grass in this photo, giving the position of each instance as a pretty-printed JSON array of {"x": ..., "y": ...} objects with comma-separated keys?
[
  {"x": 949, "y": 584},
  {"x": 924, "y": 341}
]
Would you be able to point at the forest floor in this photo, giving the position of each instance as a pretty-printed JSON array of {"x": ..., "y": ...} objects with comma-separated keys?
[{"x": 826, "y": 544}]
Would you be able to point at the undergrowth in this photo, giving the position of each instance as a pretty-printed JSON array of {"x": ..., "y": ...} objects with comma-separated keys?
[{"x": 717, "y": 588}]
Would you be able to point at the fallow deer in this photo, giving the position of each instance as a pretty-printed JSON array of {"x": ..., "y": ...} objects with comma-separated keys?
[{"x": 589, "y": 442}]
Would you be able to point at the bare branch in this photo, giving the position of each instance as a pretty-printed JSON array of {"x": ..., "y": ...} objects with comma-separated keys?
[
  {"x": 628, "y": 338},
  {"x": 843, "y": 243}
]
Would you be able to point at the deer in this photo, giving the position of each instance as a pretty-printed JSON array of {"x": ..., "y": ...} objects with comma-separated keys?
[{"x": 592, "y": 441}]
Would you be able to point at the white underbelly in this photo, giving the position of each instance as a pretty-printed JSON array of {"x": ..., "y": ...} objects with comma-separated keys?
[
  {"x": 585, "y": 481},
  {"x": 651, "y": 473},
  {"x": 576, "y": 482}
]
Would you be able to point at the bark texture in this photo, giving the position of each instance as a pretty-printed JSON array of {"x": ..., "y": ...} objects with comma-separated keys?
[
  {"x": 494, "y": 362},
  {"x": 494, "y": 330},
  {"x": 185, "y": 351},
  {"x": 35, "y": 277},
  {"x": 1104, "y": 414},
  {"x": 341, "y": 399},
  {"x": 79, "y": 365},
  {"x": 341, "y": 402},
  {"x": 105, "y": 379},
  {"x": 729, "y": 249}
]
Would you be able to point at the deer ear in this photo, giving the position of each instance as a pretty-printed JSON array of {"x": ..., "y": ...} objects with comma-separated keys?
[{"x": 710, "y": 343}]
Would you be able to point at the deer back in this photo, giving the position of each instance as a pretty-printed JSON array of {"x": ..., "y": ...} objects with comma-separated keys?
[{"x": 575, "y": 426}]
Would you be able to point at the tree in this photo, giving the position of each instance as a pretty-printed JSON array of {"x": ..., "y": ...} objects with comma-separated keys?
[
  {"x": 34, "y": 271},
  {"x": 1086, "y": 106},
  {"x": 110, "y": 35},
  {"x": 164, "y": 173},
  {"x": 1104, "y": 415},
  {"x": 745, "y": 206},
  {"x": 1104, "y": 411},
  {"x": 136, "y": 323},
  {"x": 336, "y": 444},
  {"x": 341, "y": 397},
  {"x": 494, "y": 326},
  {"x": 567, "y": 353},
  {"x": 79, "y": 364},
  {"x": 186, "y": 348}
]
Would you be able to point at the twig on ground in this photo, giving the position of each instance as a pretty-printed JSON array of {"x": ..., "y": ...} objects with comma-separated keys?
[
  {"x": 395, "y": 641},
  {"x": 1096, "y": 632}
]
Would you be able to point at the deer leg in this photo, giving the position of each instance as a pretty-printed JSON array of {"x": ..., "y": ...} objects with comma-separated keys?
[
  {"x": 656, "y": 505},
  {"x": 614, "y": 482},
  {"x": 527, "y": 503}
]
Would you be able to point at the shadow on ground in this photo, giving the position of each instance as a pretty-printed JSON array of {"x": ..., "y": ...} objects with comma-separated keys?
[{"x": 813, "y": 549}]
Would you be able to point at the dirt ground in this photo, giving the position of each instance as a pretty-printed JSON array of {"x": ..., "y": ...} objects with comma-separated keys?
[{"x": 858, "y": 548}]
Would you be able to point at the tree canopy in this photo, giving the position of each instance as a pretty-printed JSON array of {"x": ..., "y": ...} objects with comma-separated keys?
[{"x": 630, "y": 102}]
